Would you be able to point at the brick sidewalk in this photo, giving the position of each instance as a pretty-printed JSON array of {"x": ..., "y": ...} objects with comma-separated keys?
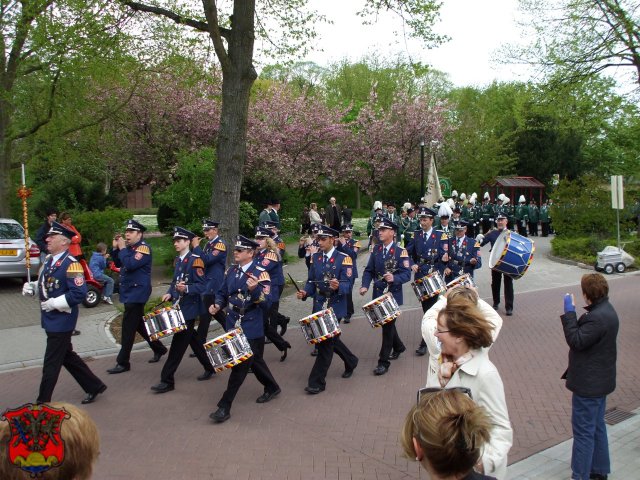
[{"x": 349, "y": 431}]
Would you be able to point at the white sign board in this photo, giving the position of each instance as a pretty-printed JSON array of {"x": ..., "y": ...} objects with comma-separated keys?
[{"x": 617, "y": 192}]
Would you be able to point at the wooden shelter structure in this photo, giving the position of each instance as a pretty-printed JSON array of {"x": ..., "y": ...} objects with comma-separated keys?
[{"x": 513, "y": 187}]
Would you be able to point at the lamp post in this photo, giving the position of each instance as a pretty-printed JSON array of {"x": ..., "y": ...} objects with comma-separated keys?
[{"x": 422, "y": 192}]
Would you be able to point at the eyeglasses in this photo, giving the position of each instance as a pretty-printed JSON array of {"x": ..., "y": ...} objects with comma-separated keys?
[
  {"x": 429, "y": 390},
  {"x": 442, "y": 331}
]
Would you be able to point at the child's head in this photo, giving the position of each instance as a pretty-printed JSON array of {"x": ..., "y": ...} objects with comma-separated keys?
[{"x": 101, "y": 247}]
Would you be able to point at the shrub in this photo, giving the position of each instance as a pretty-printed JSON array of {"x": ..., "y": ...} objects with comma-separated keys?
[
  {"x": 99, "y": 226},
  {"x": 248, "y": 219}
]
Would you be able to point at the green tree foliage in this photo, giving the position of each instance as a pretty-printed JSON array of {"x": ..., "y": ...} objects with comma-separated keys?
[{"x": 99, "y": 226}]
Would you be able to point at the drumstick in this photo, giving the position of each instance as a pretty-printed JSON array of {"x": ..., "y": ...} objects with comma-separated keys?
[{"x": 294, "y": 282}]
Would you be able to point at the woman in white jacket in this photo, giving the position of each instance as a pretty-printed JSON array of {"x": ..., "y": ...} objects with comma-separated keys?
[
  {"x": 463, "y": 332},
  {"x": 429, "y": 326}
]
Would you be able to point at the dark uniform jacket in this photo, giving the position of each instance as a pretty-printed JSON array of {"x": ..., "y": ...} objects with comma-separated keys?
[
  {"x": 426, "y": 251},
  {"x": 135, "y": 272},
  {"x": 375, "y": 269},
  {"x": 269, "y": 261},
  {"x": 189, "y": 270},
  {"x": 62, "y": 277},
  {"x": 351, "y": 248},
  {"x": 340, "y": 266},
  {"x": 214, "y": 256},
  {"x": 592, "y": 350},
  {"x": 235, "y": 295},
  {"x": 460, "y": 256}
]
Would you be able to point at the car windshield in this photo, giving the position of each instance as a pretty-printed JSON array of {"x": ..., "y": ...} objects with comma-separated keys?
[{"x": 11, "y": 231}]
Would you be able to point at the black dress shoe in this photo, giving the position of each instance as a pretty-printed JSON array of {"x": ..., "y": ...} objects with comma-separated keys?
[
  {"x": 206, "y": 375},
  {"x": 420, "y": 351},
  {"x": 75, "y": 333},
  {"x": 313, "y": 390},
  {"x": 395, "y": 355},
  {"x": 314, "y": 352},
  {"x": 283, "y": 325},
  {"x": 495, "y": 306},
  {"x": 266, "y": 396},
  {"x": 163, "y": 387},
  {"x": 91, "y": 397},
  {"x": 156, "y": 357},
  {"x": 220, "y": 415},
  {"x": 348, "y": 373},
  {"x": 119, "y": 369},
  {"x": 284, "y": 352},
  {"x": 598, "y": 476},
  {"x": 509, "y": 312},
  {"x": 380, "y": 370}
]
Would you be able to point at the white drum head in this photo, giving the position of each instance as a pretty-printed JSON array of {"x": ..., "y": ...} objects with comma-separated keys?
[{"x": 498, "y": 248}]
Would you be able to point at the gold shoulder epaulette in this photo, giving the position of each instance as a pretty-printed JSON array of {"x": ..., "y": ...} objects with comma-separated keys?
[
  {"x": 357, "y": 244},
  {"x": 477, "y": 245},
  {"x": 347, "y": 261},
  {"x": 220, "y": 246},
  {"x": 74, "y": 267},
  {"x": 282, "y": 246},
  {"x": 198, "y": 263},
  {"x": 143, "y": 249},
  {"x": 404, "y": 253},
  {"x": 264, "y": 277},
  {"x": 271, "y": 256},
  {"x": 444, "y": 236}
]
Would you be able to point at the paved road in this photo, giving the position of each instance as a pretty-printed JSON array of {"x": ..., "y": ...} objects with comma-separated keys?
[{"x": 349, "y": 431}]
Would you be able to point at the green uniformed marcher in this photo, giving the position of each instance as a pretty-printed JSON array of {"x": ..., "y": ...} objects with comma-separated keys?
[
  {"x": 487, "y": 213},
  {"x": 534, "y": 217},
  {"x": 522, "y": 216},
  {"x": 408, "y": 225},
  {"x": 544, "y": 219}
]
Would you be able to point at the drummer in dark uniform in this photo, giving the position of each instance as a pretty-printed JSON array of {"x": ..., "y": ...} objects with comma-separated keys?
[
  {"x": 186, "y": 288},
  {"x": 329, "y": 283},
  {"x": 464, "y": 254},
  {"x": 346, "y": 244},
  {"x": 496, "y": 276},
  {"x": 388, "y": 267},
  {"x": 426, "y": 250},
  {"x": 278, "y": 318},
  {"x": 214, "y": 256},
  {"x": 245, "y": 292},
  {"x": 133, "y": 256},
  {"x": 61, "y": 287}
]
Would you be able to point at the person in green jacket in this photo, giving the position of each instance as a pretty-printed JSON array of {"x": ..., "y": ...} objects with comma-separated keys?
[
  {"x": 544, "y": 219},
  {"x": 534, "y": 218},
  {"x": 522, "y": 216}
]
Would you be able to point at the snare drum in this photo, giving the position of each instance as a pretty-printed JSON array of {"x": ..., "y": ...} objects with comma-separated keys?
[
  {"x": 381, "y": 310},
  {"x": 465, "y": 280},
  {"x": 228, "y": 350},
  {"x": 320, "y": 326},
  {"x": 429, "y": 286},
  {"x": 164, "y": 322},
  {"x": 511, "y": 254}
]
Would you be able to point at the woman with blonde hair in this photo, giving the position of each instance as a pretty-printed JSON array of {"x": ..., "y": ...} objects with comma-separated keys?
[
  {"x": 446, "y": 432},
  {"x": 463, "y": 332}
]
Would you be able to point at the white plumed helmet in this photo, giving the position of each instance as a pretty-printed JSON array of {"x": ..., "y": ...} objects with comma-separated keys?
[
  {"x": 377, "y": 204},
  {"x": 463, "y": 196},
  {"x": 501, "y": 197},
  {"x": 506, "y": 200},
  {"x": 486, "y": 196},
  {"x": 522, "y": 199},
  {"x": 454, "y": 193},
  {"x": 445, "y": 210}
]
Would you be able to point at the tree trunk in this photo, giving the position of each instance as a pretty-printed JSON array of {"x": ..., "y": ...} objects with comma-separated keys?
[
  {"x": 5, "y": 164},
  {"x": 238, "y": 75}
]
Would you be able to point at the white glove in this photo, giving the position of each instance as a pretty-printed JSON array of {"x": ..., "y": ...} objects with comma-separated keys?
[
  {"x": 30, "y": 288},
  {"x": 479, "y": 237},
  {"x": 57, "y": 303}
]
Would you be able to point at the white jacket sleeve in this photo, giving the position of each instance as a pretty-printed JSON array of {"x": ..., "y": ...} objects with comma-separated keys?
[{"x": 429, "y": 326}]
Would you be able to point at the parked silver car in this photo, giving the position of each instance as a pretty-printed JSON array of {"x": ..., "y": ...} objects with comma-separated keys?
[{"x": 13, "y": 252}]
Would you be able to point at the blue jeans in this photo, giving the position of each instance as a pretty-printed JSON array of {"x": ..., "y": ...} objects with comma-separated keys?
[
  {"x": 108, "y": 283},
  {"x": 590, "y": 452}
]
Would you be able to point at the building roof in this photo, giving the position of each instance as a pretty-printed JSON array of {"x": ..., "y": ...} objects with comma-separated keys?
[{"x": 514, "y": 182}]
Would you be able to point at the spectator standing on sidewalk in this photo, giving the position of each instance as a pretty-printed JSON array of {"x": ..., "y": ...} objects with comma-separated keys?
[
  {"x": 334, "y": 214},
  {"x": 591, "y": 375},
  {"x": 74, "y": 248},
  {"x": 97, "y": 265}
]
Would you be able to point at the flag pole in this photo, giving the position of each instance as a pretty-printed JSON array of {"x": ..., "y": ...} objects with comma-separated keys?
[{"x": 24, "y": 193}]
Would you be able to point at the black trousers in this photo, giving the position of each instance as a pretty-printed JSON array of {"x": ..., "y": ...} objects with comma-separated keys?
[
  {"x": 325, "y": 356},
  {"x": 545, "y": 229},
  {"x": 132, "y": 323},
  {"x": 522, "y": 227},
  {"x": 59, "y": 353},
  {"x": 496, "y": 280},
  {"x": 179, "y": 344},
  {"x": 426, "y": 305},
  {"x": 486, "y": 225},
  {"x": 533, "y": 229},
  {"x": 390, "y": 341},
  {"x": 238, "y": 373},
  {"x": 350, "y": 309},
  {"x": 270, "y": 322},
  {"x": 205, "y": 319}
]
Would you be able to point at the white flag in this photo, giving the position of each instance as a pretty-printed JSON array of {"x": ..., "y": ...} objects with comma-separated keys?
[{"x": 433, "y": 193}]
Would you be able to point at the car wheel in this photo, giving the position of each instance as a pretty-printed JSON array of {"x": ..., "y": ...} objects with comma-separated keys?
[
  {"x": 621, "y": 267},
  {"x": 608, "y": 269},
  {"x": 596, "y": 267},
  {"x": 93, "y": 297}
]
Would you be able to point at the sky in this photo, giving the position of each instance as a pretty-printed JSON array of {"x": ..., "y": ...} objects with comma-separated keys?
[{"x": 476, "y": 28}]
